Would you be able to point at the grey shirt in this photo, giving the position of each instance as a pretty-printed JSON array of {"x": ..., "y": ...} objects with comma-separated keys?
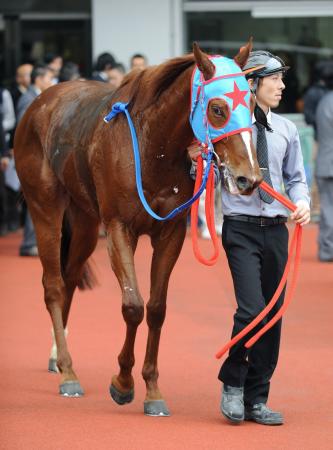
[
  {"x": 324, "y": 121},
  {"x": 286, "y": 169}
]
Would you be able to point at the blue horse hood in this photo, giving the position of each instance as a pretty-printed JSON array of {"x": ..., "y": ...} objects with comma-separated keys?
[{"x": 229, "y": 84}]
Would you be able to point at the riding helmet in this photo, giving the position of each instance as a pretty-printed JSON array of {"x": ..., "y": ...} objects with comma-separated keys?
[{"x": 272, "y": 63}]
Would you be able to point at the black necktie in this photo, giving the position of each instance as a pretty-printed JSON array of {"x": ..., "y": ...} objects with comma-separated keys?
[{"x": 262, "y": 156}]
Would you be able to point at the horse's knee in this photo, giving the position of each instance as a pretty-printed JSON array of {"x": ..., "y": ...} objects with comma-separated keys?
[
  {"x": 155, "y": 315},
  {"x": 133, "y": 313}
]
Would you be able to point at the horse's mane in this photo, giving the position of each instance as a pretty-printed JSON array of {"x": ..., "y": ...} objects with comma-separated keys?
[{"x": 154, "y": 81}]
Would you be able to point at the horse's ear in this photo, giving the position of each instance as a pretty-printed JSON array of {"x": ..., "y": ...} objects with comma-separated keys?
[
  {"x": 204, "y": 64},
  {"x": 243, "y": 54}
]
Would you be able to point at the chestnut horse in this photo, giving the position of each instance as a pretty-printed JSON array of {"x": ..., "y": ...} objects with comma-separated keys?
[{"x": 77, "y": 171}]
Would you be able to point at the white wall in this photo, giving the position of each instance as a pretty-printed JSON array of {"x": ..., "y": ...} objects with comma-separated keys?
[{"x": 125, "y": 27}]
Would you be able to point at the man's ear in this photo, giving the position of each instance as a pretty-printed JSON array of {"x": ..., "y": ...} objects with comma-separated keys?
[
  {"x": 251, "y": 83},
  {"x": 243, "y": 54},
  {"x": 204, "y": 64}
]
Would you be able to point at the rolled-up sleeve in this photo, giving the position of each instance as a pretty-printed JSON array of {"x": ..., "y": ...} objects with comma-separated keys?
[{"x": 293, "y": 171}]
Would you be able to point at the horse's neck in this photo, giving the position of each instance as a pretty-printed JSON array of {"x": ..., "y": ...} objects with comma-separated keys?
[{"x": 169, "y": 128}]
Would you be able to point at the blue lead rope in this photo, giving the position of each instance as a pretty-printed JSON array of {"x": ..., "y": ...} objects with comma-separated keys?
[{"x": 120, "y": 107}]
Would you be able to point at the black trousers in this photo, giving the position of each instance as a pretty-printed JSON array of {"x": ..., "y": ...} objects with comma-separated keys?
[{"x": 257, "y": 257}]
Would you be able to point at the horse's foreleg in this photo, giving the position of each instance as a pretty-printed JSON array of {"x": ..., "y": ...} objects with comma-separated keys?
[
  {"x": 121, "y": 246},
  {"x": 166, "y": 252}
]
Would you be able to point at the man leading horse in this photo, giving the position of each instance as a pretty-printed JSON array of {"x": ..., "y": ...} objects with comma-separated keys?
[{"x": 255, "y": 240}]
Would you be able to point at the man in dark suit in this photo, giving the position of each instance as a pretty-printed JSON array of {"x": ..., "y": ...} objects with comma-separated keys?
[
  {"x": 22, "y": 82},
  {"x": 41, "y": 79},
  {"x": 324, "y": 166}
]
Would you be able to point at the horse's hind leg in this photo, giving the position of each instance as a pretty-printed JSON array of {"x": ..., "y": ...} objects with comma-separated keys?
[
  {"x": 166, "y": 252},
  {"x": 81, "y": 232},
  {"x": 48, "y": 224},
  {"x": 47, "y": 201},
  {"x": 121, "y": 246}
]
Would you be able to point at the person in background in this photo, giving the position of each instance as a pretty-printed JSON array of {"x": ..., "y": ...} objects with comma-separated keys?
[
  {"x": 54, "y": 62},
  {"x": 8, "y": 122},
  {"x": 8, "y": 113},
  {"x": 311, "y": 99},
  {"x": 41, "y": 79},
  {"x": 116, "y": 75},
  {"x": 314, "y": 94},
  {"x": 105, "y": 62},
  {"x": 16, "y": 207},
  {"x": 138, "y": 61},
  {"x": 4, "y": 160},
  {"x": 22, "y": 82},
  {"x": 324, "y": 166},
  {"x": 69, "y": 72}
]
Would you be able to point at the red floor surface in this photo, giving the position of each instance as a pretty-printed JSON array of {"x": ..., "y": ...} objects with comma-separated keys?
[{"x": 200, "y": 308}]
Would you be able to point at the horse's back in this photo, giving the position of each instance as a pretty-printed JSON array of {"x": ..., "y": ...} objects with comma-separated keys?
[
  {"x": 67, "y": 111},
  {"x": 54, "y": 135}
]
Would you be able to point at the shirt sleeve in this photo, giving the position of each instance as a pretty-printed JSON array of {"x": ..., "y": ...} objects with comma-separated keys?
[
  {"x": 8, "y": 111},
  {"x": 293, "y": 171}
]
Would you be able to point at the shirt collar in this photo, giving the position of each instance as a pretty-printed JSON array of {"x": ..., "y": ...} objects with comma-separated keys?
[
  {"x": 103, "y": 75},
  {"x": 269, "y": 118}
]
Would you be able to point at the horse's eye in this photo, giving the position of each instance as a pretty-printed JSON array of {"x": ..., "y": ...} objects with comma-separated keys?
[{"x": 217, "y": 110}]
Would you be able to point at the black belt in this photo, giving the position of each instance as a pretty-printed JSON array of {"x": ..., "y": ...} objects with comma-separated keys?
[{"x": 258, "y": 220}]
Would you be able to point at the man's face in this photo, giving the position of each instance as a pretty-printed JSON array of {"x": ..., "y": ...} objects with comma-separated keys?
[
  {"x": 45, "y": 81},
  {"x": 56, "y": 65},
  {"x": 269, "y": 90},
  {"x": 23, "y": 74},
  {"x": 138, "y": 63},
  {"x": 115, "y": 77}
]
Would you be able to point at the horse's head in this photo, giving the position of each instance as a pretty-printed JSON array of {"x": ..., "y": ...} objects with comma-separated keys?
[{"x": 221, "y": 112}]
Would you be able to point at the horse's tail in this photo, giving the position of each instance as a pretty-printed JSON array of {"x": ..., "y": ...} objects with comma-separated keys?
[{"x": 88, "y": 279}]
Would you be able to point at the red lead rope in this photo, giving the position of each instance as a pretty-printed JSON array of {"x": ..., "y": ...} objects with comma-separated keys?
[
  {"x": 210, "y": 215},
  {"x": 295, "y": 246}
]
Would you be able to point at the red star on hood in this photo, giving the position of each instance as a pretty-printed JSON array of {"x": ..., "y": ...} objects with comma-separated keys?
[{"x": 237, "y": 97}]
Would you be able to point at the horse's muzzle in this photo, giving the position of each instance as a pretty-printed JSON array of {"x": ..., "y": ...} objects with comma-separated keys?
[{"x": 246, "y": 185}]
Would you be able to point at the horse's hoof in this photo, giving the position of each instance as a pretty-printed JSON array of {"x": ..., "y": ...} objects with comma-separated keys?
[
  {"x": 53, "y": 366},
  {"x": 71, "y": 389},
  {"x": 121, "y": 397},
  {"x": 156, "y": 408}
]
